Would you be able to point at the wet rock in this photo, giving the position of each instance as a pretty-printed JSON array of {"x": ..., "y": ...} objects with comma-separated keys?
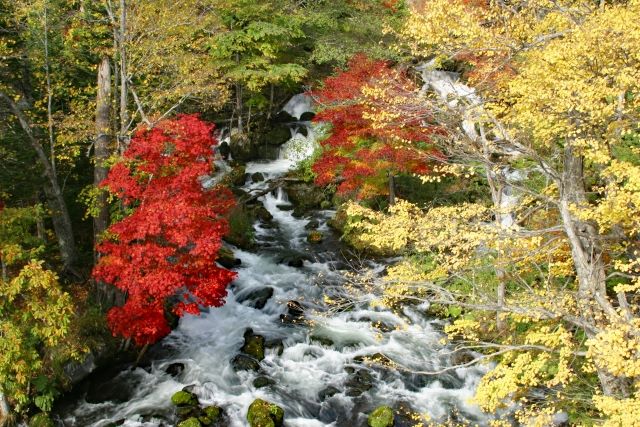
[
  {"x": 461, "y": 357},
  {"x": 315, "y": 237},
  {"x": 242, "y": 362},
  {"x": 227, "y": 259},
  {"x": 210, "y": 415},
  {"x": 262, "y": 382},
  {"x": 307, "y": 116},
  {"x": 283, "y": 117},
  {"x": 184, "y": 398},
  {"x": 327, "y": 393},
  {"x": 299, "y": 212},
  {"x": 41, "y": 420},
  {"x": 304, "y": 196},
  {"x": 296, "y": 262},
  {"x": 374, "y": 359},
  {"x": 381, "y": 417},
  {"x": 285, "y": 207},
  {"x": 327, "y": 342},
  {"x": 113, "y": 390},
  {"x": 294, "y": 314},
  {"x": 277, "y": 135},
  {"x": 264, "y": 414},
  {"x": 241, "y": 148},
  {"x": 312, "y": 225},
  {"x": 257, "y": 177},
  {"x": 262, "y": 214},
  {"x": 174, "y": 369},
  {"x": 257, "y": 298},
  {"x": 190, "y": 422},
  {"x": 303, "y": 130},
  {"x": 275, "y": 344},
  {"x": 236, "y": 176},
  {"x": 326, "y": 204},
  {"x": 253, "y": 345},
  {"x": 359, "y": 382}
]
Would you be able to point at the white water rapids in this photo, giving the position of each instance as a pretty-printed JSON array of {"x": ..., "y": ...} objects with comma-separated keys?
[{"x": 206, "y": 344}]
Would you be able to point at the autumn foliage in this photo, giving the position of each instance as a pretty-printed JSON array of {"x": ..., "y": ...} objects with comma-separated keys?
[
  {"x": 377, "y": 128},
  {"x": 167, "y": 245}
]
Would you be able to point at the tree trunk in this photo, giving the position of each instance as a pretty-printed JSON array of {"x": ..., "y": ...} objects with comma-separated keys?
[
  {"x": 392, "y": 189},
  {"x": 588, "y": 261},
  {"x": 124, "y": 114},
  {"x": 239, "y": 107},
  {"x": 59, "y": 212},
  {"x": 101, "y": 145},
  {"x": 4, "y": 410}
]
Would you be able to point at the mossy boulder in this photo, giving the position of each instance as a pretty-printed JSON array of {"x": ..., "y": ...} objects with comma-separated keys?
[
  {"x": 262, "y": 382},
  {"x": 240, "y": 228},
  {"x": 253, "y": 345},
  {"x": 184, "y": 398},
  {"x": 277, "y": 135},
  {"x": 210, "y": 415},
  {"x": 305, "y": 196},
  {"x": 242, "y": 362},
  {"x": 241, "y": 147},
  {"x": 264, "y": 414},
  {"x": 41, "y": 420},
  {"x": 381, "y": 417},
  {"x": 315, "y": 236},
  {"x": 190, "y": 422}
]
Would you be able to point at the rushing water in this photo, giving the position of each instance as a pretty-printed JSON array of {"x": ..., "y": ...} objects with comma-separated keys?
[{"x": 317, "y": 382}]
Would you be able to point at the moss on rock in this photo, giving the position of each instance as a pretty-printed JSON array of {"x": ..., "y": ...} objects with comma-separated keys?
[
  {"x": 381, "y": 417},
  {"x": 184, "y": 398},
  {"x": 190, "y": 422},
  {"x": 41, "y": 420},
  {"x": 264, "y": 414}
]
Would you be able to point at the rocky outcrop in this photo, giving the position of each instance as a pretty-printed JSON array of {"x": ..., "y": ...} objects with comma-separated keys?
[{"x": 381, "y": 417}]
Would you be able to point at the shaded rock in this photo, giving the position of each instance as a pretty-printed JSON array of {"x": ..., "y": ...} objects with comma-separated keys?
[
  {"x": 312, "y": 224},
  {"x": 41, "y": 420},
  {"x": 283, "y": 117},
  {"x": 277, "y": 135},
  {"x": 359, "y": 382},
  {"x": 305, "y": 196},
  {"x": 262, "y": 214},
  {"x": 376, "y": 358},
  {"x": 109, "y": 391},
  {"x": 236, "y": 176},
  {"x": 227, "y": 259},
  {"x": 210, "y": 415},
  {"x": 381, "y": 417},
  {"x": 307, "y": 116},
  {"x": 190, "y": 422},
  {"x": 461, "y": 357},
  {"x": 174, "y": 369},
  {"x": 294, "y": 314},
  {"x": 327, "y": 393},
  {"x": 285, "y": 207},
  {"x": 257, "y": 177},
  {"x": 315, "y": 236},
  {"x": 303, "y": 130},
  {"x": 242, "y": 362},
  {"x": 275, "y": 344},
  {"x": 296, "y": 262},
  {"x": 253, "y": 345},
  {"x": 326, "y": 204},
  {"x": 299, "y": 211},
  {"x": 262, "y": 382},
  {"x": 184, "y": 398},
  {"x": 257, "y": 298},
  {"x": 241, "y": 148},
  {"x": 327, "y": 342},
  {"x": 264, "y": 414}
]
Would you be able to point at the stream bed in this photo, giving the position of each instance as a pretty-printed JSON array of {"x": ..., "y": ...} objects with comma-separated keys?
[{"x": 313, "y": 363}]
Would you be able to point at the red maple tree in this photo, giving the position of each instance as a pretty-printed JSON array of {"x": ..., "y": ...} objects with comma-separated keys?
[
  {"x": 361, "y": 154},
  {"x": 163, "y": 253}
]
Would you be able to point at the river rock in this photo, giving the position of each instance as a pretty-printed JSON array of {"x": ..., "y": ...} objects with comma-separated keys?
[
  {"x": 275, "y": 344},
  {"x": 264, "y": 414},
  {"x": 305, "y": 196},
  {"x": 190, "y": 422},
  {"x": 277, "y": 135},
  {"x": 241, "y": 148},
  {"x": 41, "y": 420},
  {"x": 242, "y": 362},
  {"x": 257, "y": 298},
  {"x": 381, "y": 417},
  {"x": 312, "y": 224},
  {"x": 184, "y": 398},
  {"x": 227, "y": 259},
  {"x": 294, "y": 314},
  {"x": 295, "y": 262},
  {"x": 210, "y": 415},
  {"x": 327, "y": 393},
  {"x": 327, "y": 342},
  {"x": 359, "y": 382},
  {"x": 174, "y": 369},
  {"x": 262, "y": 382},
  {"x": 257, "y": 177},
  {"x": 283, "y": 117},
  {"x": 253, "y": 345},
  {"x": 307, "y": 116},
  {"x": 315, "y": 236},
  {"x": 262, "y": 214}
]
